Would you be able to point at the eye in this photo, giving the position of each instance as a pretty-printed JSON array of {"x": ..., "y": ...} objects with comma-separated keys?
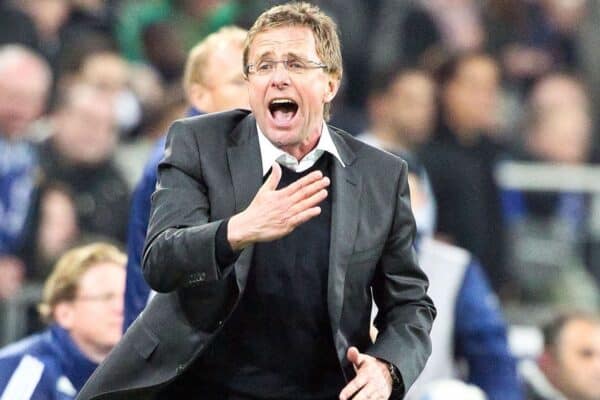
[
  {"x": 295, "y": 65},
  {"x": 265, "y": 66}
]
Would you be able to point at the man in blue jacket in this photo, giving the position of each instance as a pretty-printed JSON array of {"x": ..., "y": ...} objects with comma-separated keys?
[
  {"x": 213, "y": 81},
  {"x": 83, "y": 303}
]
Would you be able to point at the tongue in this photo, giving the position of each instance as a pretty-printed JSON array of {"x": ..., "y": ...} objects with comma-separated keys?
[{"x": 282, "y": 115}]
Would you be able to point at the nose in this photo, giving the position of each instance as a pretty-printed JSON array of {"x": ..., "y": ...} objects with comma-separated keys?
[{"x": 280, "y": 76}]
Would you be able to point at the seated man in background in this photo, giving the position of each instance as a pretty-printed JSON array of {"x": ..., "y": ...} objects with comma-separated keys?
[
  {"x": 83, "y": 303},
  {"x": 569, "y": 366}
]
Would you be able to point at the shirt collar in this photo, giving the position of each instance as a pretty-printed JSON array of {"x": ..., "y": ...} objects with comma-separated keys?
[{"x": 270, "y": 153}]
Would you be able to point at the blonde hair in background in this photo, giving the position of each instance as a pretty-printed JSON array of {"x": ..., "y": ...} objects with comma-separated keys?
[
  {"x": 200, "y": 54},
  {"x": 63, "y": 282},
  {"x": 307, "y": 15}
]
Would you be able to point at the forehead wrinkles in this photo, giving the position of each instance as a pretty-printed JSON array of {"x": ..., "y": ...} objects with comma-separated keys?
[{"x": 270, "y": 46}]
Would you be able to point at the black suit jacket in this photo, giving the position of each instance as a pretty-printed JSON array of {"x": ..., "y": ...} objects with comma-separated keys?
[{"x": 212, "y": 170}]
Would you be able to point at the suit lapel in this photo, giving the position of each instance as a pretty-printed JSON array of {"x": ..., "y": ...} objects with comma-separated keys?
[
  {"x": 243, "y": 157},
  {"x": 345, "y": 192}
]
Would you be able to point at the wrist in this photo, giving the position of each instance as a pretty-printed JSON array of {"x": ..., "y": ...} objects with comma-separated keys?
[
  {"x": 235, "y": 233},
  {"x": 397, "y": 384}
]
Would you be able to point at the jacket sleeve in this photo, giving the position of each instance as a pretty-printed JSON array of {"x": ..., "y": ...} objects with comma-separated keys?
[
  {"x": 406, "y": 313},
  {"x": 180, "y": 243},
  {"x": 480, "y": 337}
]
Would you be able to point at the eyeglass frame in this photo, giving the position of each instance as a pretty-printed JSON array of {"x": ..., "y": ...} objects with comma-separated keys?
[{"x": 312, "y": 65}]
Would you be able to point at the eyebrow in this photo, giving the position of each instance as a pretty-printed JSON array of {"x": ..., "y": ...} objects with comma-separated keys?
[{"x": 288, "y": 55}]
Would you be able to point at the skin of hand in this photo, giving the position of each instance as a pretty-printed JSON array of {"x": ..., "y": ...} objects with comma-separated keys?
[
  {"x": 274, "y": 213},
  {"x": 373, "y": 380}
]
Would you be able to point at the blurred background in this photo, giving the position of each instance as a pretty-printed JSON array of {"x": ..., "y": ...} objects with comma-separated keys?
[{"x": 504, "y": 119}]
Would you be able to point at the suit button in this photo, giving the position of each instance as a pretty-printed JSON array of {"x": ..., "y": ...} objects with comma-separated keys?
[{"x": 202, "y": 276}]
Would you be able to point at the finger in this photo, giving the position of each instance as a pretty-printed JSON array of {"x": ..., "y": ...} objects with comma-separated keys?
[
  {"x": 310, "y": 189},
  {"x": 354, "y": 356},
  {"x": 368, "y": 392},
  {"x": 300, "y": 183},
  {"x": 304, "y": 216},
  {"x": 353, "y": 387},
  {"x": 274, "y": 178},
  {"x": 310, "y": 202}
]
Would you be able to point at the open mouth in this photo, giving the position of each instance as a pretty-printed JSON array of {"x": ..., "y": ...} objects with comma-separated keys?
[{"x": 283, "y": 110}]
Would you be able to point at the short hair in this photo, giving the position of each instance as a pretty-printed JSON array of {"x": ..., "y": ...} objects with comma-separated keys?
[
  {"x": 199, "y": 55},
  {"x": 382, "y": 79},
  {"x": 554, "y": 328},
  {"x": 303, "y": 14},
  {"x": 63, "y": 283},
  {"x": 449, "y": 69}
]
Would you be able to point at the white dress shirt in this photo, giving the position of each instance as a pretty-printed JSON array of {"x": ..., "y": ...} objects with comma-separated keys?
[{"x": 269, "y": 153}]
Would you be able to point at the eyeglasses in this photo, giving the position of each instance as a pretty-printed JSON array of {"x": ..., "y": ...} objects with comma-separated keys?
[
  {"x": 101, "y": 298},
  {"x": 295, "y": 66}
]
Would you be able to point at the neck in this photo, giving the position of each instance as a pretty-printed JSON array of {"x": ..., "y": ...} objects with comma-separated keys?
[
  {"x": 465, "y": 135},
  {"x": 95, "y": 353},
  {"x": 300, "y": 150}
]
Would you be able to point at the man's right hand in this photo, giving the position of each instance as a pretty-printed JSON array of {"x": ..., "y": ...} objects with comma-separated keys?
[{"x": 274, "y": 213}]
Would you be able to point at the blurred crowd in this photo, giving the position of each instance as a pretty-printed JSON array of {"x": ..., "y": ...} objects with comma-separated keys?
[{"x": 460, "y": 88}]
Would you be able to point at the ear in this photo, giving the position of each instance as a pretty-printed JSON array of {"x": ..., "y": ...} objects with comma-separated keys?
[
  {"x": 333, "y": 85},
  {"x": 199, "y": 96},
  {"x": 547, "y": 363},
  {"x": 64, "y": 314}
]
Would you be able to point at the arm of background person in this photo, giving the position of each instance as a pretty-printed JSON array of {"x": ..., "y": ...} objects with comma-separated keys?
[
  {"x": 480, "y": 338},
  {"x": 136, "y": 288}
]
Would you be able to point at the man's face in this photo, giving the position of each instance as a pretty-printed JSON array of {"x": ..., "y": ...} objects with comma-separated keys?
[
  {"x": 225, "y": 87},
  {"x": 288, "y": 106},
  {"x": 471, "y": 97},
  {"x": 95, "y": 316},
  {"x": 576, "y": 366},
  {"x": 85, "y": 129},
  {"x": 412, "y": 107}
]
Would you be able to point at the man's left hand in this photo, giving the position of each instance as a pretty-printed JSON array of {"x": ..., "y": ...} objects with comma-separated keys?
[{"x": 373, "y": 380}]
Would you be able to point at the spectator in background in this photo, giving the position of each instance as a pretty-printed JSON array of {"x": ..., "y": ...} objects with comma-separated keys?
[
  {"x": 108, "y": 71},
  {"x": 469, "y": 326},
  {"x": 401, "y": 109},
  {"x": 461, "y": 159},
  {"x": 569, "y": 366},
  {"x": 25, "y": 80},
  {"x": 79, "y": 154},
  {"x": 161, "y": 32},
  {"x": 213, "y": 81},
  {"x": 49, "y": 18},
  {"x": 57, "y": 229},
  {"x": 553, "y": 225},
  {"x": 82, "y": 302}
]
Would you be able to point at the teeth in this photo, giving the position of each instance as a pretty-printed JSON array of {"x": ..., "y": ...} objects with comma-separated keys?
[{"x": 283, "y": 101}]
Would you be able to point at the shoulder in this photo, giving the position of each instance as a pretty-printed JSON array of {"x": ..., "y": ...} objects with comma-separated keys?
[
  {"x": 23, "y": 365},
  {"x": 367, "y": 153},
  {"x": 443, "y": 253},
  {"x": 219, "y": 121}
]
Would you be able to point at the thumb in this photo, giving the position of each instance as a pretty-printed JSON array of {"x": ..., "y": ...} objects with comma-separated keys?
[
  {"x": 273, "y": 179},
  {"x": 353, "y": 356}
]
